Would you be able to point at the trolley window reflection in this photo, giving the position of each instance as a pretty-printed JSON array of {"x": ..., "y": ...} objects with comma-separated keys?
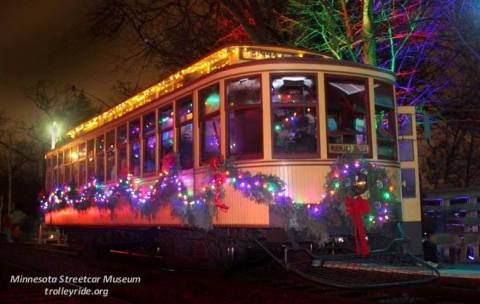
[{"x": 294, "y": 114}]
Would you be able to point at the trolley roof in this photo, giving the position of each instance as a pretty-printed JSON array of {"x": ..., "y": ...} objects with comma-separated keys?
[{"x": 226, "y": 56}]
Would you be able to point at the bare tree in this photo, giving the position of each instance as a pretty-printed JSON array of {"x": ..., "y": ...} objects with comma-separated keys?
[
  {"x": 452, "y": 157},
  {"x": 167, "y": 33}
]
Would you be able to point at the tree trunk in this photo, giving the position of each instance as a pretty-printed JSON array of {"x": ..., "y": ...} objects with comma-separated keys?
[{"x": 368, "y": 34}]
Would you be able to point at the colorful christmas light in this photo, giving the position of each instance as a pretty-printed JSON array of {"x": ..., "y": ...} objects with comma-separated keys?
[{"x": 197, "y": 210}]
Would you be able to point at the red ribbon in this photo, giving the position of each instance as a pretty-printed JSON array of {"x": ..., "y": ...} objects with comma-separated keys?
[
  {"x": 218, "y": 181},
  {"x": 356, "y": 208},
  {"x": 168, "y": 162}
]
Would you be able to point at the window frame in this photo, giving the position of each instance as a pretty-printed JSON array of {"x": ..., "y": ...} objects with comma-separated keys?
[
  {"x": 229, "y": 108},
  {"x": 368, "y": 121},
  {"x": 276, "y": 155}
]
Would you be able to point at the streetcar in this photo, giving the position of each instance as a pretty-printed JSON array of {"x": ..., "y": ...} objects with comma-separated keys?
[{"x": 280, "y": 111}]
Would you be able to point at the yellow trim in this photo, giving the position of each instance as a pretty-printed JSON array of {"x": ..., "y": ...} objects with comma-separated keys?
[{"x": 224, "y": 57}]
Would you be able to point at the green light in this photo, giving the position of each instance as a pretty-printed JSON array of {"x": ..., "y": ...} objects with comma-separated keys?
[
  {"x": 371, "y": 218},
  {"x": 386, "y": 195},
  {"x": 213, "y": 99},
  {"x": 336, "y": 184},
  {"x": 278, "y": 128}
]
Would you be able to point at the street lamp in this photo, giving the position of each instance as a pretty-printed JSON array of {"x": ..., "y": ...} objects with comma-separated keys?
[{"x": 55, "y": 133}]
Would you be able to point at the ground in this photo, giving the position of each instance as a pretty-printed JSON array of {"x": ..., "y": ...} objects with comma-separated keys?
[{"x": 163, "y": 284}]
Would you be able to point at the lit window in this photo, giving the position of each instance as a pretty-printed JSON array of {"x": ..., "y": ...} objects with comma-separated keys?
[
  {"x": 210, "y": 128},
  {"x": 75, "y": 173},
  {"x": 67, "y": 168},
  {"x": 110, "y": 146},
  {"x": 134, "y": 141},
  {"x": 82, "y": 171},
  {"x": 74, "y": 160},
  {"x": 55, "y": 177},
  {"x": 91, "y": 158},
  {"x": 60, "y": 168},
  {"x": 385, "y": 121},
  {"x": 60, "y": 158},
  {"x": 185, "y": 132},
  {"x": 100, "y": 157},
  {"x": 293, "y": 89},
  {"x": 149, "y": 148},
  {"x": 149, "y": 123},
  {"x": 165, "y": 130},
  {"x": 347, "y": 115},
  {"x": 294, "y": 114},
  {"x": 149, "y": 143},
  {"x": 122, "y": 163},
  {"x": 244, "y": 106},
  {"x": 67, "y": 177}
]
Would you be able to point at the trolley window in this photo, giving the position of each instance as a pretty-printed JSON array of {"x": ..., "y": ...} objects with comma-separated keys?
[
  {"x": 210, "y": 127},
  {"x": 134, "y": 141},
  {"x": 294, "y": 114},
  {"x": 110, "y": 147},
  {"x": 75, "y": 164},
  {"x": 385, "y": 121},
  {"x": 149, "y": 143},
  {"x": 185, "y": 131},
  {"x": 91, "y": 158},
  {"x": 82, "y": 164},
  {"x": 347, "y": 115},
  {"x": 244, "y": 106},
  {"x": 165, "y": 130},
  {"x": 122, "y": 162},
  {"x": 67, "y": 168},
  {"x": 60, "y": 168},
  {"x": 100, "y": 158}
]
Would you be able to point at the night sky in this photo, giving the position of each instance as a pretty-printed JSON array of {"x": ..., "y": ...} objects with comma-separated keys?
[{"x": 49, "y": 39}]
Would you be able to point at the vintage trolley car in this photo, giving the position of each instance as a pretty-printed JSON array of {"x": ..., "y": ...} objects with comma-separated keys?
[{"x": 276, "y": 110}]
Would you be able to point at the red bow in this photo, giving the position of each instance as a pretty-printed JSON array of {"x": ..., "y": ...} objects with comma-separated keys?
[
  {"x": 168, "y": 163},
  {"x": 218, "y": 181},
  {"x": 356, "y": 208}
]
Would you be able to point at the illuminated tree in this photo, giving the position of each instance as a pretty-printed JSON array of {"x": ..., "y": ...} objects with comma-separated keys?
[{"x": 393, "y": 34}]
